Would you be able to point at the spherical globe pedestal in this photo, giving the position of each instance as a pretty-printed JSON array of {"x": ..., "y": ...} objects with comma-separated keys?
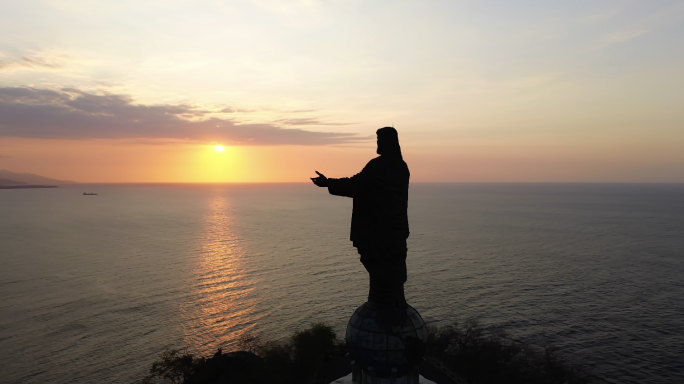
[{"x": 386, "y": 352}]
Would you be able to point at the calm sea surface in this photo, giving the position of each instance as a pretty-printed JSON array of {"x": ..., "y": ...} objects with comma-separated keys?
[{"x": 92, "y": 288}]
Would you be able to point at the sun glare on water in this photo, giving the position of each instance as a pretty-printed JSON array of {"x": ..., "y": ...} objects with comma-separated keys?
[{"x": 219, "y": 148}]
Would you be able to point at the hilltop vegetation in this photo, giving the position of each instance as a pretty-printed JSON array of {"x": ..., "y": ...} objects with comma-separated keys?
[{"x": 475, "y": 355}]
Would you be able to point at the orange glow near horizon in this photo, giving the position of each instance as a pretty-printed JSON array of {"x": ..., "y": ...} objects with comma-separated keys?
[{"x": 121, "y": 161}]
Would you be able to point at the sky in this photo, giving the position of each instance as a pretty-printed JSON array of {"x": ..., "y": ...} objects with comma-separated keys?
[{"x": 480, "y": 91}]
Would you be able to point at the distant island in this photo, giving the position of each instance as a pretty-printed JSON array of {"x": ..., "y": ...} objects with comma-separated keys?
[{"x": 13, "y": 180}]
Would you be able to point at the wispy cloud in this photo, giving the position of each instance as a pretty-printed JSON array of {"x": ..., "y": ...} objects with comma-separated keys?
[
  {"x": 643, "y": 22},
  {"x": 607, "y": 14},
  {"x": 236, "y": 110},
  {"x": 308, "y": 121},
  {"x": 36, "y": 62},
  {"x": 621, "y": 37},
  {"x": 74, "y": 114}
]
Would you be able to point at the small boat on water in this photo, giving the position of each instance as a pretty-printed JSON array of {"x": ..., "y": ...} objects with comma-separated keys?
[{"x": 89, "y": 194}]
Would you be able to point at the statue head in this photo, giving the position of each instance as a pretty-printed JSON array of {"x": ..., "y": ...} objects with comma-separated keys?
[{"x": 388, "y": 142}]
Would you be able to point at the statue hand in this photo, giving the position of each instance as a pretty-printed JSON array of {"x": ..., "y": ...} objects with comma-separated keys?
[{"x": 321, "y": 180}]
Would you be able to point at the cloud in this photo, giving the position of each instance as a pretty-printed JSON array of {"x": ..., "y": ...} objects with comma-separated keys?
[
  {"x": 31, "y": 62},
  {"x": 236, "y": 110},
  {"x": 604, "y": 15},
  {"x": 307, "y": 121},
  {"x": 620, "y": 37},
  {"x": 74, "y": 114}
]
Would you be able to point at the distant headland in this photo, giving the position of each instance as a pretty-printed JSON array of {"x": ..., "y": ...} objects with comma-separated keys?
[
  {"x": 13, "y": 180},
  {"x": 27, "y": 186}
]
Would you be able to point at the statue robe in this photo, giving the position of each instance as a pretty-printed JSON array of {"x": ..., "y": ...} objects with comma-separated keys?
[{"x": 379, "y": 226}]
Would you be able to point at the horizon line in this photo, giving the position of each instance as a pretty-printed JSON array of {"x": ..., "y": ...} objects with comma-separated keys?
[{"x": 414, "y": 182}]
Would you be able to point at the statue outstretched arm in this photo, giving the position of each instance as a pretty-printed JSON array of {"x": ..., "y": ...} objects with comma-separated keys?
[
  {"x": 343, "y": 187},
  {"x": 346, "y": 186}
]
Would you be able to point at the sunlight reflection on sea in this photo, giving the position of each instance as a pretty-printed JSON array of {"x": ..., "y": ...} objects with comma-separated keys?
[{"x": 222, "y": 306}]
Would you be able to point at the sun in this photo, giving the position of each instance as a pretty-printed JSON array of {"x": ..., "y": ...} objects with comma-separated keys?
[{"x": 219, "y": 148}]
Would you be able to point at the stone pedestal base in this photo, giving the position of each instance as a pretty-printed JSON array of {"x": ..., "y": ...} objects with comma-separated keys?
[
  {"x": 369, "y": 376},
  {"x": 385, "y": 352},
  {"x": 369, "y": 380}
]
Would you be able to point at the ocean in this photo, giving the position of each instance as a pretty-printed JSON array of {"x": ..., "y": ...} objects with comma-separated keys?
[{"x": 93, "y": 288}]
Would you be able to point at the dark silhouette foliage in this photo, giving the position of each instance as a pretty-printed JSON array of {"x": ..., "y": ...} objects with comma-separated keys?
[
  {"x": 296, "y": 361},
  {"x": 472, "y": 353},
  {"x": 488, "y": 358},
  {"x": 174, "y": 366}
]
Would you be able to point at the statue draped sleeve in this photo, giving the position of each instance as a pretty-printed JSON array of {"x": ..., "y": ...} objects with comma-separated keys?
[{"x": 345, "y": 186}]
